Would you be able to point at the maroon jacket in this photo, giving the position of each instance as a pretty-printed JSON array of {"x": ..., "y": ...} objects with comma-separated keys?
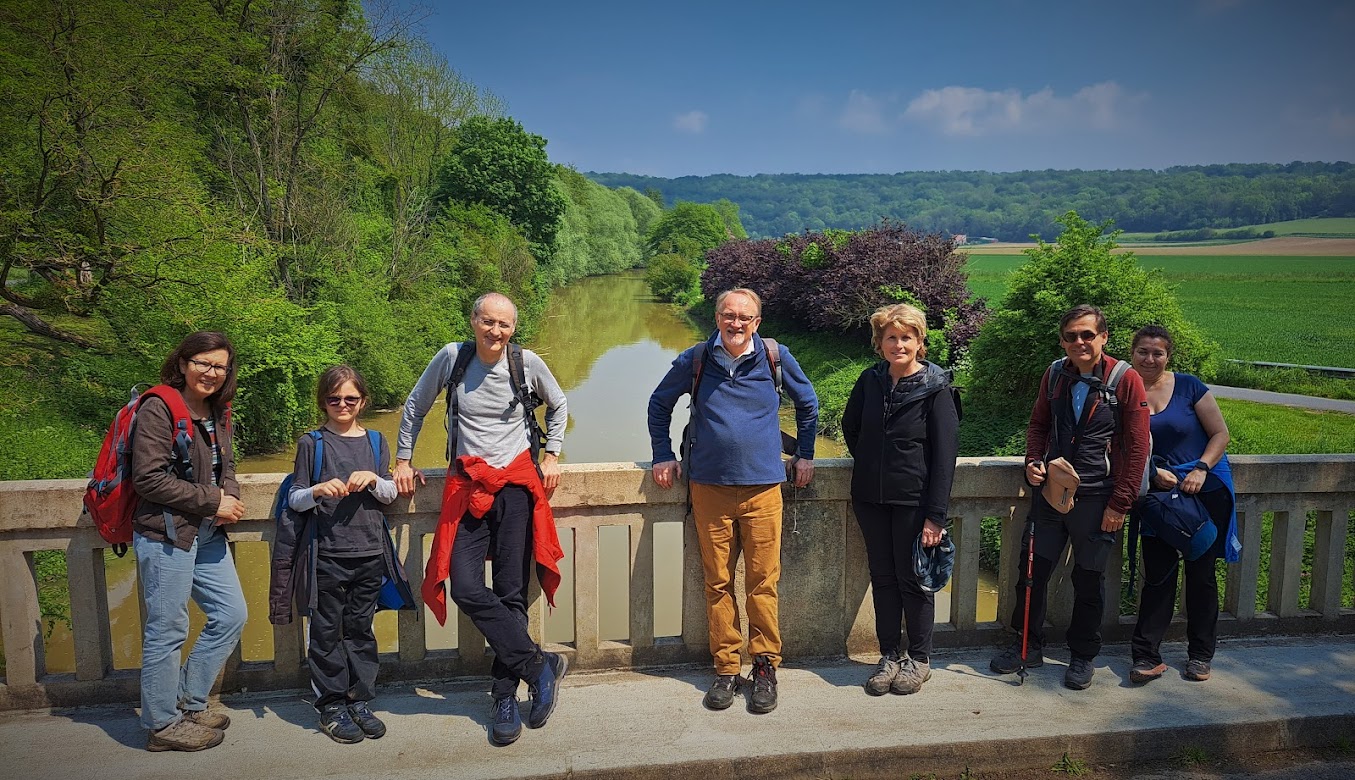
[
  {"x": 1108, "y": 457},
  {"x": 166, "y": 499}
]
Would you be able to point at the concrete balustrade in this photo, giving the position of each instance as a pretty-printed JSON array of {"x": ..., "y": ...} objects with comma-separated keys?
[{"x": 825, "y": 595}]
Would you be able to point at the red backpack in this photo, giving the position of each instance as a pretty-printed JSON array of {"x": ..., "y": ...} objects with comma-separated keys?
[{"x": 110, "y": 498}]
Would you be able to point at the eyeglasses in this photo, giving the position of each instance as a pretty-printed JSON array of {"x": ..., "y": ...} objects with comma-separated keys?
[
  {"x": 346, "y": 400},
  {"x": 490, "y": 324},
  {"x": 1072, "y": 337},
  {"x": 742, "y": 319},
  {"x": 206, "y": 368}
]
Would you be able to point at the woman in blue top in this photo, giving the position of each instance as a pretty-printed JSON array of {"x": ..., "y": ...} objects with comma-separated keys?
[{"x": 1190, "y": 436}]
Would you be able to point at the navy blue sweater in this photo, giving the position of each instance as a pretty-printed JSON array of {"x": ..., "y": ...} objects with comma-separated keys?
[{"x": 737, "y": 431}]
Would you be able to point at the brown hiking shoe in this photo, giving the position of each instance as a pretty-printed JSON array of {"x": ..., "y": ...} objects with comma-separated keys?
[
  {"x": 1196, "y": 670},
  {"x": 183, "y": 735},
  {"x": 212, "y": 719}
]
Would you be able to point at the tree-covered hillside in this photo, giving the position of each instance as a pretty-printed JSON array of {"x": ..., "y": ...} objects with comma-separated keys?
[{"x": 1012, "y": 206}]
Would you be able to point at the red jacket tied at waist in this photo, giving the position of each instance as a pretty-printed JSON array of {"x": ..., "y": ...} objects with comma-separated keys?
[{"x": 475, "y": 491}]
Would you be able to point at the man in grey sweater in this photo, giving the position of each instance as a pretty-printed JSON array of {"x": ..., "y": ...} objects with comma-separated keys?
[{"x": 489, "y": 444}]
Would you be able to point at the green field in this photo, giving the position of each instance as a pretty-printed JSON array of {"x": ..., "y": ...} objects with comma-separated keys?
[
  {"x": 1325, "y": 227},
  {"x": 1281, "y": 309}
]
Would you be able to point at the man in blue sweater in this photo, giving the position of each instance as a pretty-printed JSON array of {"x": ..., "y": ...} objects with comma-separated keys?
[{"x": 735, "y": 472}]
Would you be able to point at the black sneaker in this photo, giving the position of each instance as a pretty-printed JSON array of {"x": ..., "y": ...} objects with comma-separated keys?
[
  {"x": 546, "y": 689},
  {"x": 507, "y": 725},
  {"x": 370, "y": 724},
  {"x": 1009, "y": 660},
  {"x": 1196, "y": 670},
  {"x": 722, "y": 691},
  {"x": 764, "y": 685},
  {"x": 338, "y": 724},
  {"x": 1079, "y": 674}
]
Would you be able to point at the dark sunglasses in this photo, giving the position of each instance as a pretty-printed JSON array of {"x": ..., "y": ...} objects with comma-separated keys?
[
  {"x": 347, "y": 400},
  {"x": 1072, "y": 337}
]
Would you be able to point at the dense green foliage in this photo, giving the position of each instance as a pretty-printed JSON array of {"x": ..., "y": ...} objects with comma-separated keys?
[
  {"x": 1019, "y": 341},
  {"x": 1012, "y": 206},
  {"x": 680, "y": 239},
  {"x": 314, "y": 181},
  {"x": 672, "y": 277},
  {"x": 495, "y": 163}
]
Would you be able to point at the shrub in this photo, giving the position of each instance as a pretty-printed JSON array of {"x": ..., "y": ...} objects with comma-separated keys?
[
  {"x": 675, "y": 279},
  {"x": 833, "y": 280},
  {"x": 1020, "y": 339}
]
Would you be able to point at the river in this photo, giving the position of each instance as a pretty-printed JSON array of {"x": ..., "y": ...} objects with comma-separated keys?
[{"x": 608, "y": 342}]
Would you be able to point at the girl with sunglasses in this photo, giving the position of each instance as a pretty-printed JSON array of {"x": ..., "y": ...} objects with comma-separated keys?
[{"x": 332, "y": 553}]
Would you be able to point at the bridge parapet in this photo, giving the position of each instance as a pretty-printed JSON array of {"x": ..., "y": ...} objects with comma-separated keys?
[{"x": 1295, "y": 513}]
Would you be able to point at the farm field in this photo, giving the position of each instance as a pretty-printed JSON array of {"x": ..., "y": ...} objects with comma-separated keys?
[
  {"x": 1320, "y": 227},
  {"x": 1276, "y": 308}
]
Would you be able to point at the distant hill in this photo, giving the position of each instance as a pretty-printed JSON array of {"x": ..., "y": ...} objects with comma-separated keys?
[{"x": 1012, "y": 206}]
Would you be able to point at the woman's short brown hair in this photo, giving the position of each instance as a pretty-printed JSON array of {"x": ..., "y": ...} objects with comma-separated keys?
[
  {"x": 172, "y": 370},
  {"x": 903, "y": 317}
]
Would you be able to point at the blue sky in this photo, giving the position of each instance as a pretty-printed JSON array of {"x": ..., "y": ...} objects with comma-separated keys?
[{"x": 698, "y": 87}]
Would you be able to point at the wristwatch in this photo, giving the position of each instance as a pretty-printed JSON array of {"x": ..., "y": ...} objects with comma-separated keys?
[{"x": 1201, "y": 465}]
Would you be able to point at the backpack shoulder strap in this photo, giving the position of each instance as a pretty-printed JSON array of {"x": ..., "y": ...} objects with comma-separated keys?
[
  {"x": 1055, "y": 369},
  {"x": 517, "y": 373},
  {"x": 182, "y": 421},
  {"x": 774, "y": 360},
  {"x": 318, "y": 461},
  {"x": 465, "y": 351},
  {"x": 374, "y": 439},
  {"x": 698, "y": 366}
]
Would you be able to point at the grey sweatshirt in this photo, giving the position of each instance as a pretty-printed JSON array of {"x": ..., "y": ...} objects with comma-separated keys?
[{"x": 492, "y": 424}]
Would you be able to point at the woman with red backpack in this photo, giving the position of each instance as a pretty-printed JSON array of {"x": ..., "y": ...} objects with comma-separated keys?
[{"x": 183, "y": 470}]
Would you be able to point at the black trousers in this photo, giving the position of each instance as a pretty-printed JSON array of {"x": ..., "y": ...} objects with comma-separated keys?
[
  {"x": 505, "y": 533},
  {"x": 890, "y": 532},
  {"x": 1091, "y": 551},
  {"x": 341, "y": 645},
  {"x": 1158, "y": 602}
]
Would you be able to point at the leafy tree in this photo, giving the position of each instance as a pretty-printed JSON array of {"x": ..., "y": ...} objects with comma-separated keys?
[
  {"x": 1020, "y": 339},
  {"x": 645, "y": 212},
  {"x": 690, "y": 229},
  {"x": 496, "y": 163}
]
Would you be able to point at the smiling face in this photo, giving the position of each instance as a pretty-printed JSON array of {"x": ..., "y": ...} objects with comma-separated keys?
[
  {"x": 737, "y": 321},
  {"x": 1150, "y": 357},
  {"x": 900, "y": 346},
  {"x": 494, "y": 324},
  {"x": 204, "y": 373},
  {"x": 1083, "y": 342}
]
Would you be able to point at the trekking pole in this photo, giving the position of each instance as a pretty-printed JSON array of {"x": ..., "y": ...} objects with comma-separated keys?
[{"x": 1030, "y": 582}]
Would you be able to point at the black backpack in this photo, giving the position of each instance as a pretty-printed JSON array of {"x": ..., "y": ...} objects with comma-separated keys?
[
  {"x": 536, "y": 438},
  {"x": 1105, "y": 392}
]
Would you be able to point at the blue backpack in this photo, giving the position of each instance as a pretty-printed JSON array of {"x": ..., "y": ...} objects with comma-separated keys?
[{"x": 395, "y": 593}]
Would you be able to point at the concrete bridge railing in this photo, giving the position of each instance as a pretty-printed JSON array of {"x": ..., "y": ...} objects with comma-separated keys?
[{"x": 825, "y": 608}]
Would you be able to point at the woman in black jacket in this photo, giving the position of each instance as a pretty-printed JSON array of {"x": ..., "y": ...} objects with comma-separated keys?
[{"x": 901, "y": 425}]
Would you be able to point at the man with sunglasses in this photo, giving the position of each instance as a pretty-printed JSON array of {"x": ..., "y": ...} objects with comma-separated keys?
[
  {"x": 1104, "y": 436},
  {"x": 495, "y": 502},
  {"x": 734, "y": 473}
]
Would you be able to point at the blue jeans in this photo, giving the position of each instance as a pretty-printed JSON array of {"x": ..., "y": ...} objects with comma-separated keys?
[{"x": 168, "y": 577}]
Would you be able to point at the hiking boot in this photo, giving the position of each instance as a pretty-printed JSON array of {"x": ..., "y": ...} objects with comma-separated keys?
[
  {"x": 212, "y": 719},
  {"x": 338, "y": 725},
  {"x": 371, "y": 725},
  {"x": 1196, "y": 670},
  {"x": 1146, "y": 671},
  {"x": 1009, "y": 660},
  {"x": 722, "y": 691},
  {"x": 1078, "y": 676},
  {"x": 183, "y": 735},
  {"x": 912, "y": 674},
  {"x": 507, "y": 721},
  {"x": 546, "y": 689},
  {"x": 764, "y": 685},
  {"x": 878, "y": 684}
]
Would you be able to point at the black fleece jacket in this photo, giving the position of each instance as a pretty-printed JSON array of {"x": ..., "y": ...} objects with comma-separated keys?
[{"x": 904, "y": 439}]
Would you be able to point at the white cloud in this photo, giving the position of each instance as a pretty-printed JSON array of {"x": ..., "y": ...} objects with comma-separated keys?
[
  {"x": 970, "y": 111},
  {"x": 693, "y": 122},
  {"x": 864, "y": 114}
]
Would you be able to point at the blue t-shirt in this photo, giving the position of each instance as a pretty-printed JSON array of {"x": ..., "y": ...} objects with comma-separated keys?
[{"x": 1178, "y": 434}]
